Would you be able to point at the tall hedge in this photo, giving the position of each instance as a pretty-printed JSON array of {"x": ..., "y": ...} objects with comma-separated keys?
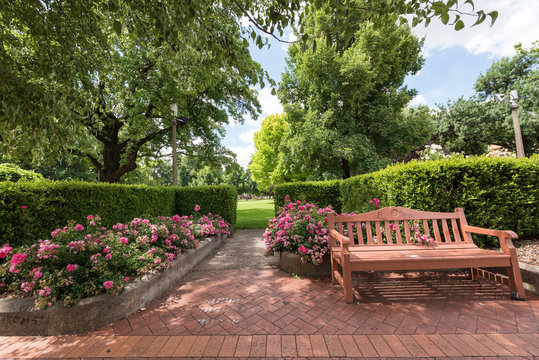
[
  {"x": 220, "y": 200},
  {"x": 51, "y": 204},
  {"x": 321, "y": 193},
  {"x": 495, "y": 193},
  {"x": 11, "y": 172}
]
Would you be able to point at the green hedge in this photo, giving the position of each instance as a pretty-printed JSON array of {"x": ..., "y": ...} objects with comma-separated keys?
[
  {"x": 11, "y": 172},
  {"x": 52, "y": 204},
  {"x": 321, "y": 193},
  {"x": 220, "y": 200},
  {"x": 495, "y": 193}
]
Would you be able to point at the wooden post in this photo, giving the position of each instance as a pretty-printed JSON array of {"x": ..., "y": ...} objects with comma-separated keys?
[
  {"x": 518, "y": 134},
  {"x": 174, "y": 109}
]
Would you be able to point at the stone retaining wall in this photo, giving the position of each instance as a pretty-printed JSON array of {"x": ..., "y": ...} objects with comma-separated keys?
[
  {"x": 18, "y": 318},
  {"x": 530, "y": 277}
]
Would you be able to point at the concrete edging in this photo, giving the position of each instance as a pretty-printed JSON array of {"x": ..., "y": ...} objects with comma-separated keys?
[
  {"x": 18, "y": 318},
  {"x": 530, "y": 277}
]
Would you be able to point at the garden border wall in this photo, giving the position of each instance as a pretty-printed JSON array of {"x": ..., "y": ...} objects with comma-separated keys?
[{"x": 17, "y": 317}]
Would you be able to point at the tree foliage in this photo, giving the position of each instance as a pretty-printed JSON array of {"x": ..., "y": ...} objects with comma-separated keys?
[
  {"x": 469, "y": 125},
  {"x": 344, "y": 100},
  {"x": 266, "y": 164}
]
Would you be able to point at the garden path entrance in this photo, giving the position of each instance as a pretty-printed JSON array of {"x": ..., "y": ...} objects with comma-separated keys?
[{"x": 238, "y": 304}]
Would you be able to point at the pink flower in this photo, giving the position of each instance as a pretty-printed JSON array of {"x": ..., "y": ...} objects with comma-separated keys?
[
  {"x": 108, "y": 284},
  {"x": 27, "y": 287},
  {"x": 108, "y": 256},
  {"x": 197, "y": 208},
  {"x": 24, "y": 207},
  {"x": 72, "y": 267},
  {"x": 126, "y": 278},
  {"x": 5, "y": 251},
  {"x": 302, "y": 249},
  {"x": 89, "y": 217},
  {"x": 55, "y": 232},
  {"x": 392, "y": 226},
  {"x": 45, "y": 292},
  {"x": 124, "y": 240},
  {"x": 79, "y": 227},
  {"x": 18, "y": 258}
]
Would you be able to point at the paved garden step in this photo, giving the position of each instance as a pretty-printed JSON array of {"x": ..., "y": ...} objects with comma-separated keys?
[
  {"x": 243, "y": 251},
  {"x": 273, "y": 346}
]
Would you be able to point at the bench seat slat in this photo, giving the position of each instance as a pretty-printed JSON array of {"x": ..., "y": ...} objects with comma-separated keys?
[
  {"x": 436, "y": 229},
  {"x": 456, "y": 232},
  {"x": 389, "y": 236},
  {"x": 369, "y": 233},
  {"x": 446, "y": 231},
  {"x": 398, "y": 232},
  {"x": 359, "y": 231},
  {"x": 378, "y": 233}
]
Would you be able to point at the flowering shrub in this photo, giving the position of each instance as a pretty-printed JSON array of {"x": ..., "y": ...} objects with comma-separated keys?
[
  {"x": 300, "y": 228},
  {"x": 422, "y": 240},
  {"x": 81, "y": 261}
]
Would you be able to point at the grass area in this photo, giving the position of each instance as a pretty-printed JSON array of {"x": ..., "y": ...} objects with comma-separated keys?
[{"x": 254, "y": 214}]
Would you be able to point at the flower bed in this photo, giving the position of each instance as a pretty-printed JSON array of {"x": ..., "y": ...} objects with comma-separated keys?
[
  {"x": 300, "y": 228},
  {"x": 84, "y": 261}
]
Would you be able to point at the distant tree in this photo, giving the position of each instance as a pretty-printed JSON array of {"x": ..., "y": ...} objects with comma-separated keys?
[
  {"x": 469, "y": 125},
  {"x": 266, "y": 164}
]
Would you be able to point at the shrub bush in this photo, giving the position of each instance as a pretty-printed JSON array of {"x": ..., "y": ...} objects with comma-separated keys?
[
  {"x": 300, "y": 228},
  {"x": 497, "y": 193},
  {"x": 11, "y": 172},
  {"x": 320, "y": 193},
  {"x": 81, "y": 261},
  {"x": 30, "y": 211}
]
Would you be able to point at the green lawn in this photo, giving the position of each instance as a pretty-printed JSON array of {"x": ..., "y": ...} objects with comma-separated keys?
[{"x": 254, "y": 214}]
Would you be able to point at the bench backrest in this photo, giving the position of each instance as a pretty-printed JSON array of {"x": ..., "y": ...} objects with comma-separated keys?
[{"x": 398, "y": 225}]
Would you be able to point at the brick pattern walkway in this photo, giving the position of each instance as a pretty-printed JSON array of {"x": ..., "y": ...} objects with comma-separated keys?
[{"x": 269, "y": 314}]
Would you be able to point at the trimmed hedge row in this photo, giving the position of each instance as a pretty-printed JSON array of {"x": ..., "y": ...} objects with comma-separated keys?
[
  {"x": 51, "y": 204},
  {"x": 221, "y": 200},
  {"x": 11, "y": 172},
  {"x": 321, "y": 193},
  {"x": 497, "y": 193}
]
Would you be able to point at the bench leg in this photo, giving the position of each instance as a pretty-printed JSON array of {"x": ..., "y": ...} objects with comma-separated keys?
[
  {"x": 515, "y": 281},
  {"x": 473, "y": 276},
  {"x": 334, "y": 267},
  {"x": 347, "y": 280}
]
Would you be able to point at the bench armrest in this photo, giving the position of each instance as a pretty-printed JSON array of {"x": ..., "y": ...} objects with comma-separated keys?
[
  {"x": 504, "y": 236},
  {"x": 345, "y": 241}
]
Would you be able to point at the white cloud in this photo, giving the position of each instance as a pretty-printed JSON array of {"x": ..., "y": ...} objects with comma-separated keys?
[
  {"x": 418, "y": 100},
  {"x": 517, "y": 22},
  {"x": 248, "y": 136},
  {"x": 243, "y": 153},
  {"x": 270, "y": 103}
]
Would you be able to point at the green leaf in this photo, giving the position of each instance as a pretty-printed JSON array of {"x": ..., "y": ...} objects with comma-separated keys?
[
  {"x": 445, "y": 18},
  {"x": 493, "y": 16},
  {"x": 459, "y": 25},
  {"x": 117, "y": 27}
]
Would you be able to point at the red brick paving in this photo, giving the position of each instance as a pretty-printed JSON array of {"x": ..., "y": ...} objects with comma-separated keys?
[{"x": 266, "y": 313}]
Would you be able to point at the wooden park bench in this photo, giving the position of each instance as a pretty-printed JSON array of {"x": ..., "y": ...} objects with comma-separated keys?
[{"x": 382, "y": 240}]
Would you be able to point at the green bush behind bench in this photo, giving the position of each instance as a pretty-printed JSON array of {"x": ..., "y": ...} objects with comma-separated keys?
[
  {"x": 51, "y": 204},
  {"x": 321, "y": 193},
  {"x": 497, "y": 193}
]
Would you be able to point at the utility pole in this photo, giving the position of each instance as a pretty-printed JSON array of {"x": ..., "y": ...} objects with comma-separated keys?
[
  {"x": 516, "y": 124},
  {"x": 174, "y": 108}
]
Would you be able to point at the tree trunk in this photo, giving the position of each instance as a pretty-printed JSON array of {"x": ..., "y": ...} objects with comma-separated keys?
[{"x": 345, "y": 165}]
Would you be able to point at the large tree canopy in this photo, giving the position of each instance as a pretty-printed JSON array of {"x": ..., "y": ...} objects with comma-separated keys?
[
  {"x": 469, "y": 125},
  {"x": 344, "y": 100}
]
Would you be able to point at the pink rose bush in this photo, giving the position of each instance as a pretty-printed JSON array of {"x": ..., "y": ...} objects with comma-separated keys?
[
  {"x": 81, "y": 261},
  {"x": 300, "y": 228}
]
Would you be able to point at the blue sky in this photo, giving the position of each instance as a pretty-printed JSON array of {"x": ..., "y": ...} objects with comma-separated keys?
[{"x": 453, "y": 61}]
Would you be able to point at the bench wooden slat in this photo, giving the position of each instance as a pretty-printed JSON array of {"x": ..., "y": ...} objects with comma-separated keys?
[
  {"x": 389, "y": 236},
  {"x": 437, "y": 236},
  {"x": 426, "y": 230},
  {"x": 455, "y": 228},
  {"x": 407, "y": 234},
  {"x": 350, "y": 232},
  {"x": 446, "y": 231},
  {"x": 359, "y": 230},
  {"x": 369, "y": 233},
  {"x": 398, "y": 232},
  {"x": 378, "y": 233}
]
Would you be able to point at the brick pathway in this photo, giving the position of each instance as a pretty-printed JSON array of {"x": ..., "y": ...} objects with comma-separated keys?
[{"x": 265, "y": 313}]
